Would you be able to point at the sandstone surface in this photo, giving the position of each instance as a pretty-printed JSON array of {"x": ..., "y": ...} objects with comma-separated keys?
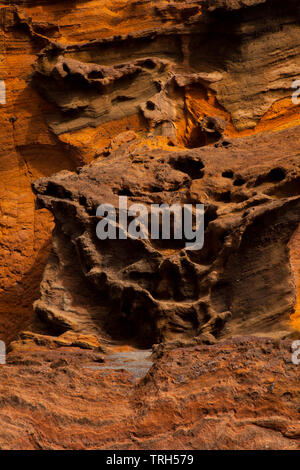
[
  {"x": 162, "y": 101},
  {"x": 239, "y": 394}
]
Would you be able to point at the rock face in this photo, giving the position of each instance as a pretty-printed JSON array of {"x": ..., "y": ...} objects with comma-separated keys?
[
  {"x": 177, "y": 102},
  {"x": 78, "y": 77},
  {"x": 239, "y": 394},
  {"x": 156, "y": 289}
]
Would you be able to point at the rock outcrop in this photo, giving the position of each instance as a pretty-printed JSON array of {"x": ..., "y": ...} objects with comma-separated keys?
[
  {"x": 157, "y": 290},
  {"x": 78, "y": 77},
  {"x": 177, "y": 102}
]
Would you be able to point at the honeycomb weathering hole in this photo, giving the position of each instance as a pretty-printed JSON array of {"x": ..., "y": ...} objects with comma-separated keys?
[{"x": 295, "y": 263}]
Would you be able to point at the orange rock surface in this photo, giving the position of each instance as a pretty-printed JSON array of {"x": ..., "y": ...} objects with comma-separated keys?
[
  {"x": 295, "y": 262},
  {"x": 241, "y": 394},
  {"x": 30, "y": 150},
  {"x": 163, "y": 74}
]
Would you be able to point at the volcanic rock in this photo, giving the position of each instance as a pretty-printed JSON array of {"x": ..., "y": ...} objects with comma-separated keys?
[
  {"x": 177, "y": 102},
  {"x": 238, "y": 394},
  {"x": 157, "y": 290}
]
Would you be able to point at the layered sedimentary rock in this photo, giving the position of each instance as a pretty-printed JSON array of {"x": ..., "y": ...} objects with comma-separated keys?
[
  {"x": 27, "y": 151},
  {"x": 241, "y": 394},
  {"x": 295, "y": 263},
  {"x": 177, "y": 102}
]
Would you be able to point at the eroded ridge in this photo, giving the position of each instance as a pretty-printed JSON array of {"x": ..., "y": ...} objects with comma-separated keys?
[{"x": 156, "y": 290}]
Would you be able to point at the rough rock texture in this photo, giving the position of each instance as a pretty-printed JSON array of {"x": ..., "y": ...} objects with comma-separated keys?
[
  {"x": 152, "y": 71},
  {"x": 295, "y": 263},
  {"x": 240, "y": 394},
  {"x": 77, "y": 75},
  {"x": 160, "y": 101},
  {"x": 156, "y": 290}
]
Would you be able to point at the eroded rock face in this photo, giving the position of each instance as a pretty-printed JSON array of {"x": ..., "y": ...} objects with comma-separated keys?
[
  {"x": 155, "y": 290},
  {"x": 162, "y": 102},
  {"x": 295, "y": 262},
  {"x": 240, "y": 394},
  {"x": 78, "y": 77},
  {"x": 216, "y": 49}
]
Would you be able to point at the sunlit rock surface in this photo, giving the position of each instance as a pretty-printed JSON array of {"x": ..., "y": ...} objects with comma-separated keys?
[{"x": 162, "y": 101}]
